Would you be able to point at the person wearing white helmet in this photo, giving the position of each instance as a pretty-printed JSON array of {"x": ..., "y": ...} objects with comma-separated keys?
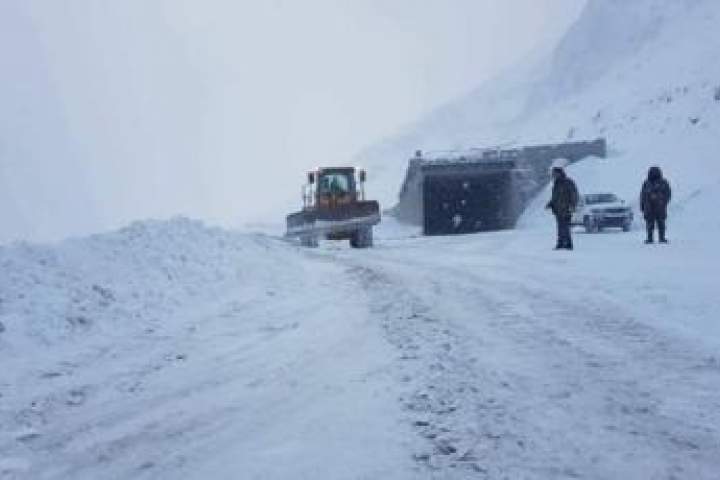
[{"x": 563, "y": 202}]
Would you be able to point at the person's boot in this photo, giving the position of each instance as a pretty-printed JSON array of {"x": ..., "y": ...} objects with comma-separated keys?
[
  {"x": 663, "y": 239},
  {"x": 649, "y": 239}
]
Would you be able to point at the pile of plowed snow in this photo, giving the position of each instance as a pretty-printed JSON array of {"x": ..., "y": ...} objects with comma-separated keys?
[
  {"x": 117, "y": 283},
  {"x": 169, "y": 347}
]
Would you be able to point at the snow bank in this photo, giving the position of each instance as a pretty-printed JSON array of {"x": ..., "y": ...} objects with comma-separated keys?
[
  {"x": 115, "y": 283},
  {"x": 169, "y": 347}
]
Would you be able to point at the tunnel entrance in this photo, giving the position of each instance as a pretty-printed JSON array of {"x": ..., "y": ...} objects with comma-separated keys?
[
  {"x": 456, "y": 204},
  {"x": 476, "y": 190}
]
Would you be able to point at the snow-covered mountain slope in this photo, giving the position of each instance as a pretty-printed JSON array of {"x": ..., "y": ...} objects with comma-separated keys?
[{"x": 643, "y": 74}]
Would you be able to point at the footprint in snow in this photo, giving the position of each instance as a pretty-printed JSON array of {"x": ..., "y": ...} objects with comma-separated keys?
[
  {"x": 76, "y": 397},
  {"x": 28, "y": 435},
  {"x": 146, "y": 466},
  {"x": 279, "y": 328}
]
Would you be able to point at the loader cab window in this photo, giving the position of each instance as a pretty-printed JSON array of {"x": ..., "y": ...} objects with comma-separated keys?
[{"x": 334, "y": 184}]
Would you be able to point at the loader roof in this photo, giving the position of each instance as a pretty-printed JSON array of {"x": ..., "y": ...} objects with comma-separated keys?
[{"x": 336, "y": 169}]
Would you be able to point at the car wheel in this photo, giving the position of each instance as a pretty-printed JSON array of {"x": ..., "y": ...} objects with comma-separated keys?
[{"x": 590, "y": 225}]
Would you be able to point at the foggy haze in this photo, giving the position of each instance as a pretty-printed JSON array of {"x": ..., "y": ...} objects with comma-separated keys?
[{"x": 117, "y": 111}]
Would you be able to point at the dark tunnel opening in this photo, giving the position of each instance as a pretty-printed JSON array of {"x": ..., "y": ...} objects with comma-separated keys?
[{"x": 457, "y": 204}]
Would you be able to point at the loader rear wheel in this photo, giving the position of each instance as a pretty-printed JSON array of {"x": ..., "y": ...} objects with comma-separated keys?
[
  {"x": 362, "y": 238},
  {"x": 310, "y": 241}
]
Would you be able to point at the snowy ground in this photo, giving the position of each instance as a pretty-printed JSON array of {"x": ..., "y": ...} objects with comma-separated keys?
[
  {"x": 201, "y": 354},
  {"x": 172, "y": 350},
  {"x": 526, "y": 363},
  {"x": 236, "y": 356}
]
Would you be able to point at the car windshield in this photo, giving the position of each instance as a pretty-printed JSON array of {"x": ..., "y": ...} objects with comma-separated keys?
[
  {"x": 334, "y": 183},
  {"x": 600, "y": 198}
]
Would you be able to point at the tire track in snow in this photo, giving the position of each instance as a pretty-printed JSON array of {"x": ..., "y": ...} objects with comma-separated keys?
[
  {"x": 506, "y": 379},
  {"x": 445, "y": 400}
]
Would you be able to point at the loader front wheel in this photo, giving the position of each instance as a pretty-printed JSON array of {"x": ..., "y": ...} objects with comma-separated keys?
[
  {"x": 310, "y": 241},
  {"x": 362, "y": 238}
]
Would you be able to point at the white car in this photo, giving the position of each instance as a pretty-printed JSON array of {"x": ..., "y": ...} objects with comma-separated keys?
[{"x": 596, "y": 211}]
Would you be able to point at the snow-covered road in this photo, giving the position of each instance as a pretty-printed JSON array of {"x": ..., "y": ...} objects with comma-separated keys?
[
  {"x": 521, "y": 362},
  {"x": 484, "y": 356}
]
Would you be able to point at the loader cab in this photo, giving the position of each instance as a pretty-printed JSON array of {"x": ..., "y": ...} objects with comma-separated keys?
[
  {"x": 330, "y": 188},
  {"x": 336, "y": 182},
  {"x": 335, "y": 187}
]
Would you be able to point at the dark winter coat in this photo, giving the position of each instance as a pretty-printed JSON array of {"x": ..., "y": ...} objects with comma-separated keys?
[
  {"x": 564, "y": 196},
  {"x": 655, "y": 196}
]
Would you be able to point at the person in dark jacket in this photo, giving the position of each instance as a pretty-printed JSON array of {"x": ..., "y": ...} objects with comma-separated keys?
[
  {"x": 654, "y": 199},
  {"x": 562, "y": 204}
]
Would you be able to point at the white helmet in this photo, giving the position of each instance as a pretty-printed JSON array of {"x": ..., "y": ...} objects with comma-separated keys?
[{"x": 559, "y": 163}]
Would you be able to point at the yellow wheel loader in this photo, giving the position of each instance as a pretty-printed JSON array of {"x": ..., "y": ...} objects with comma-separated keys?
[{"x": 335, "y": 208}]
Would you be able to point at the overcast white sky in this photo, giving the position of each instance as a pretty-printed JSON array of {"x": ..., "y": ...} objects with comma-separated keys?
[{"x": 118, "y": 110}]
